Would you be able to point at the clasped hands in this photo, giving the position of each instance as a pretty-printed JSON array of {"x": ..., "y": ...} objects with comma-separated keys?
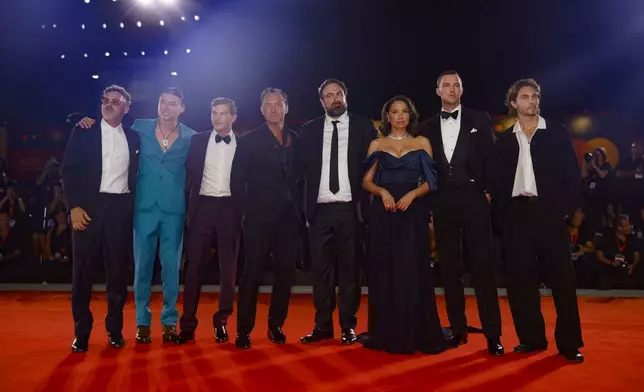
[{"x": 400, "y": 205}]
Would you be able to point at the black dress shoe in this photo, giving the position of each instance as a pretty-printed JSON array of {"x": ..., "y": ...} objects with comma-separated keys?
[
  {"x": 457, "y": 340},
  {"x": 221, "y": 334},
  {"x": 495, "y": 348},
  {"x": 529, "y": 348},
  {"x": 143, "y": 334},
  {"x": 187, "y": 336},
  {"x": 276, "y": 335},
  {"x": 349, "y": 336},
  {"x": 574, "y": 356},
  {"x": 170, "y": 335},
  {"x": 317, "y": 335},
  {"x": 80, "y": 344},
  {"x": 116, "y": 340},
  {"x": 243, "y": 341}
]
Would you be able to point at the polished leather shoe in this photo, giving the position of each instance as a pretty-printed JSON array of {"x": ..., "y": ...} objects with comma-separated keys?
[
  {"x": 243, "y": 341},
  {"x": 276, "y": 335},
  {"x": 170, "y": 335},
  {"x": 317, "y": 335},
  {"x": 495, "y": 348},
  {"x": 143, "y": 334},
  {"x": 187, "y": 336},
  {"x": 349, "y": 336},
  {"x": 221, "y": 334},
  {"x": 115, "y": 340},
  {"x": 529, "y": 348},
  {"x": 80, "y": 344},
  {"x": 574, "y": 356},
  {"x": 456, "y": 340}
]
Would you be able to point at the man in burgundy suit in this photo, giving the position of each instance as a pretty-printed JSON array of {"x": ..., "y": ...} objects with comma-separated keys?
[{"x": 212, "y": 215}]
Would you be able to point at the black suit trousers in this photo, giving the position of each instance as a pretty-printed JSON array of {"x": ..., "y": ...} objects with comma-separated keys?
[
  {"x": 108, "y": 237},
  {"x": 462, "y": 219}
]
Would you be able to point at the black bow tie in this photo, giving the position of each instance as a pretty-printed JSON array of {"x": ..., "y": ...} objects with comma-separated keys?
[
  {"x": 446, "y": 115},
  {"x": 219, "y": 138}
]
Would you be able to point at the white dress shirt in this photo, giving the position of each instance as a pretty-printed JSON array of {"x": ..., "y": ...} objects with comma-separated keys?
[
  {"x": 116, "y": 159},
  {"x": 344, "y": 194},
  {"x": 525, "y": 184},
  {"x": 450, "y": 128},
  {"x": 219, "y": 162}
]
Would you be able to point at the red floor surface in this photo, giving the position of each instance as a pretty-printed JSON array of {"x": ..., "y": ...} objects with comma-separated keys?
[{"x": 36, "y": 334}]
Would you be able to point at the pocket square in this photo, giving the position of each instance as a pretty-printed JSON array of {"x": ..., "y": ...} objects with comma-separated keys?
[{"x": 474, "y": 130}]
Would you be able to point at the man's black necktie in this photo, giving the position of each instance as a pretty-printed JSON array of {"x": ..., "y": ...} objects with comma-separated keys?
[
  {"x": 334, "y": 176},
  {"x": 446, "y": 115},
  {"x": 219, "y": 138}
]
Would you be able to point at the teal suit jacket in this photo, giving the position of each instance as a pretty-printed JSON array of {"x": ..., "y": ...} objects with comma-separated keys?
[{"x": 162, "y": 175}]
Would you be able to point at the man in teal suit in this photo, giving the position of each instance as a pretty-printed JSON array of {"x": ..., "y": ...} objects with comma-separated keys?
[{"x": 159, "y": 211}]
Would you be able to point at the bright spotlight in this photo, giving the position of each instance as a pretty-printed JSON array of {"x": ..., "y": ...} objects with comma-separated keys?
[
  {"x": 197, "y": 18},
  {"x": 165, "y": 52},
  {"x": 85, "y": 55},
  {"x": 188, "y": 51},
  {"x": 162, "y": 23},
  {"x": 125, "y": 54},
  {"x": 183, "y": 18},
  {"x": 142, "y": 53},
  {"x": 62, "y": 56},
  {"x": 43, "y": 26},
  {"x": 107, "y": 54},
  {"x": 173, "y": 73},
  {"x": 95, "y": 76},
  {"x": 122, "y": 25},
  {"x": 83, "y": 26},
  {"x": 104, "y": 25},
  {"x": 138, "y": 24},
  {"x": 87, "y": 1},
  {"x": 54, "y": 26}
]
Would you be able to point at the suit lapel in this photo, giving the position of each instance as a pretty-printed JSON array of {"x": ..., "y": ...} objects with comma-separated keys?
[
  {"x": 436, "y": 138},
  {"x": 463, "y": 133},
  {"x": 96, "y": 148},
  {"x": 316, "y": 150}
]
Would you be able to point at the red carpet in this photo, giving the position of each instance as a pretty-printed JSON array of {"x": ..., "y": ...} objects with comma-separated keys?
[{"x": 37, "y": 332}]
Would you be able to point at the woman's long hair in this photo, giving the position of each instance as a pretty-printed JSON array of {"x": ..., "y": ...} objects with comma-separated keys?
[{"x": 385, "y": 125}]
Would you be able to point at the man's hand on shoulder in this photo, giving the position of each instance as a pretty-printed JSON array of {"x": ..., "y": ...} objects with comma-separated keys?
[{"x": 86, "y": 123}]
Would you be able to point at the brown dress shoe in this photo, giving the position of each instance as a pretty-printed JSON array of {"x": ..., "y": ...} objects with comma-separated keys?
[
  {"x": 170, "y": 335},
  {"x": 143, "y": 334}
]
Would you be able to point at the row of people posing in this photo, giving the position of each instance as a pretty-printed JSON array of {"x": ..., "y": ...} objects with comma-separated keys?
[{"x": 269, "y": 181}]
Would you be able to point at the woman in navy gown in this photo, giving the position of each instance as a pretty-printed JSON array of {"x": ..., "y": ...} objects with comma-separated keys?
[{"x": 403, "y": 317}]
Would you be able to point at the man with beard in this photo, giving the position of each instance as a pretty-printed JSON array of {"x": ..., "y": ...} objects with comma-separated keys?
[
  {"x": 463, "y": 140},
  {"x": 99, "y": 175},
  {"x": 159, "y": 211},
  {"x": 266, "y": 191},
  {"x": 331, "y": 156},
  {"x": 212, "y": 214},
  {"x": 536, "y": 190}
]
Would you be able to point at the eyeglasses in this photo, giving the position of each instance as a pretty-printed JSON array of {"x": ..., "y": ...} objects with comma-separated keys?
[{"x": 114, "y": 102}]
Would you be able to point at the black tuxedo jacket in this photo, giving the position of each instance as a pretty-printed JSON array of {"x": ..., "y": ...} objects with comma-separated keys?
[
  {"x": 309, "y": 159},
  {"x": 83, "y": 165},
  {"x": 480, "y": 160},
  {"x": 555, "y": 169},
  {"x": 259, "y": 185}
]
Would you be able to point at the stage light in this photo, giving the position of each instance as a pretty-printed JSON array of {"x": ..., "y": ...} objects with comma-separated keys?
[
  {"x": 85, "y": 55},
  {"x": 183, "y": 18},
  {"x": 197, "y": 18},
  {"x": 107, "y": 54},
  {"x": 165, "y": 52},
  {"x": 188, "y": 51},
  {"x": 104, "y": 25},
  {"x": 162, "y": 23},
  {"x": 173, "y": 73},
  {"x": 138, "y": 24},
  {"x": 122, "y": 25},
  {"x": 43, "y": 26},
  {"x": 83, "y": 26},
  {"x": 54, "y": 25},
  {"x": 95, "y": 76},
  {"x": 142, "y": 53},
  {"x": 87, "y": 1},
  {"x": 125, "y": 54},
  {"x": 62, "y": 56},
  {"x": 145, "y": 3}
]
